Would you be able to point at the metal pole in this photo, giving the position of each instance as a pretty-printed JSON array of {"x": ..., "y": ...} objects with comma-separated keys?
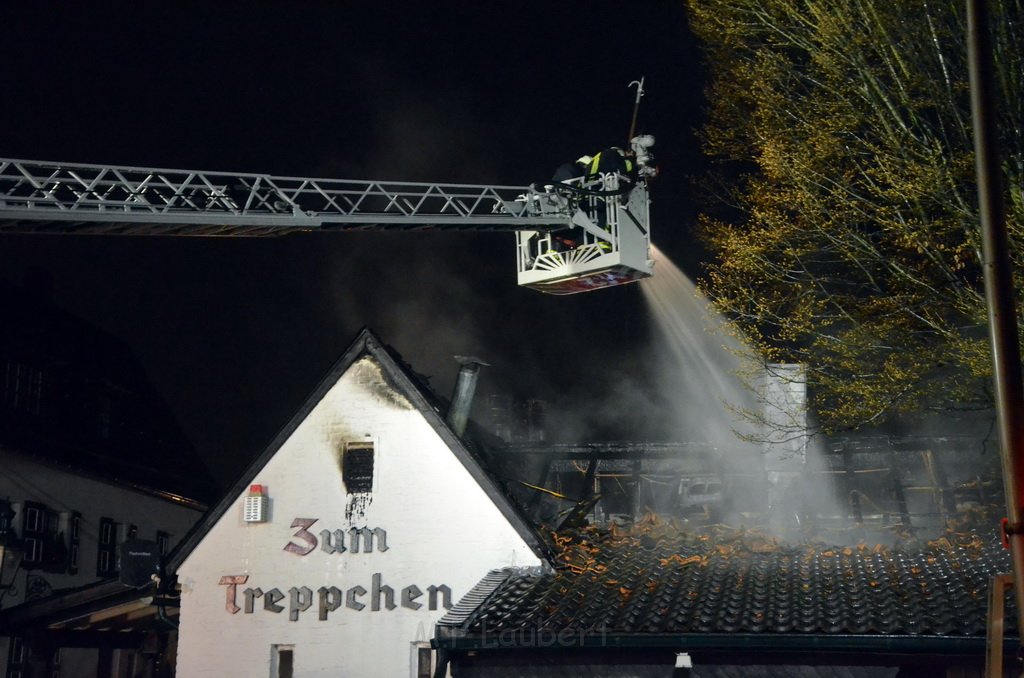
[
  {"x": 999, "y": 293},
  {"x": 636, "y": 107},
  {"x": 994, "y": 631}
]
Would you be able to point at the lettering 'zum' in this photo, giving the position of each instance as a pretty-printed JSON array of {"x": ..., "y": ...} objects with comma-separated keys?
[{"x": 334, "y": 541}]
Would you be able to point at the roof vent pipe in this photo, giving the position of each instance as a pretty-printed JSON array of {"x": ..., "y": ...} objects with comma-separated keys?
[{"x": 462, "y": 398}]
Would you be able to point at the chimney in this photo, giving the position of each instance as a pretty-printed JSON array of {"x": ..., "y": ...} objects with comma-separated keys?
[{"x": 462, "y": 398}]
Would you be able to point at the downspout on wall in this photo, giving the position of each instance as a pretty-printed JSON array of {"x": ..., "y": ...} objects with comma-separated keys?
[{"x": 462, "y": 397}]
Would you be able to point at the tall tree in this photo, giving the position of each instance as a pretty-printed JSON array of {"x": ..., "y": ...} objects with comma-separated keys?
[{"x": 845, "y": 236}]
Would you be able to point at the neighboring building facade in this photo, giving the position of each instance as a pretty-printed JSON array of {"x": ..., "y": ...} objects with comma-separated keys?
[
  {"x": 66, "y": 530},
  {"x": 341, "y": 546},
  {"x": 90, "y": 458}
]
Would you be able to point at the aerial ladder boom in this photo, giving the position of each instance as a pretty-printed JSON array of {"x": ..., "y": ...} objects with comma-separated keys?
[{"x": 70, "y": 198}]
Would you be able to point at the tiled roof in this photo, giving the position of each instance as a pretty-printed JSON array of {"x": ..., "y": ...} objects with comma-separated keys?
[{"x": 665, "y": 581}]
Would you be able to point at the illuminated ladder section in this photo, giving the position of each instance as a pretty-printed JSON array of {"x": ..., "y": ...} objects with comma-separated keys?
[
  {"x": 53, "y": 197},
  {"x": 609, "y": 227}
]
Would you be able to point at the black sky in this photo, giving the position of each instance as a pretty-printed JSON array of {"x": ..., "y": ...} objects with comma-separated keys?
[{"x": 236, "y": 332}]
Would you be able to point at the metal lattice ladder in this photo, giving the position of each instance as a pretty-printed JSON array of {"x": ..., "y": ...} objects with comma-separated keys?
[{"x": 38, "y": 196}]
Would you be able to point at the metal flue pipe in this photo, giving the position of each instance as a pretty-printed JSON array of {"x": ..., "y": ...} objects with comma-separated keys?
[
  {"x": 462, "y": 397},
  {"x": 999, "y": 294}
]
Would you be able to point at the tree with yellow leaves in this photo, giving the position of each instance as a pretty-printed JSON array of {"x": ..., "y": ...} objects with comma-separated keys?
[{"x": 844, "y": 234}]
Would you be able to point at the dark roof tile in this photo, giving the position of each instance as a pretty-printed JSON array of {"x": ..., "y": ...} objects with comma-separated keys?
[{"x": 684, "y": 583}]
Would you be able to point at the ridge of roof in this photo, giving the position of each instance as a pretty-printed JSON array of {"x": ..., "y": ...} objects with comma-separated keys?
[
  {"x": 413, "y": 387},
  {"x": 114, "y": 480}
]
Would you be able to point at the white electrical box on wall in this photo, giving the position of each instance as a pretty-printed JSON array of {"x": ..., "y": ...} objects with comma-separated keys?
[{"x": 255, "y": 509}]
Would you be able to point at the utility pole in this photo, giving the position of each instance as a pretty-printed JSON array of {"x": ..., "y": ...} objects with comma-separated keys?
[{"x": 999, "y": 292}]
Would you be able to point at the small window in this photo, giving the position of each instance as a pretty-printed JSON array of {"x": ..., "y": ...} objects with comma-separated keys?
[
  {"x": 357, "y": 467},
  {"x": 106, "y": 562},
  {"x": 17, "y": 653},
  {"x": 23, "y": 387},
  {"x": 282, "y": 663},
  {"x": 33, "y": 519},
  {"x": 40, "y": 535},
  {"x": 422, "y": 660},
  {"x": 162, "y": 539},
  {"x": 33, "y": 551},
  {"x": 74, "y": 540},
  {"x": 16, "y": 658},
  {"x": 106, "y": 531}
]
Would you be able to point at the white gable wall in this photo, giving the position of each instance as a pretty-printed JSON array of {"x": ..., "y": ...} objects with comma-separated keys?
[{"x": 441, "y": 527}]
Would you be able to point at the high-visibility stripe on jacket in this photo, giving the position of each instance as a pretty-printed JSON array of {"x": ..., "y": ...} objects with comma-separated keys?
[{"x": 595, "y": 165}]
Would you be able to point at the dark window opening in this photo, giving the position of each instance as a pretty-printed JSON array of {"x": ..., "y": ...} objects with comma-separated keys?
[
  {"x": 33, "y": 519},
  {"x": 357, "y": 467},
  {"x": 285, "y": 662},
  {"x": 43, "y": 542},
  {"x": 106, "y": 531},
  {"x": 106, "y": 561},
  {"x": 15, "y": 656},
  {"x": 74, "y": 540},
  {"x": 162, "y": 539},
  {"x": 33, "y": 552},
  {"x": 424, "y": 657},
  {"x": 23, "y": 387}
]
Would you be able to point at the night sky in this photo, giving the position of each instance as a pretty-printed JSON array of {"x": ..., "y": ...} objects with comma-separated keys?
[{"x": 235, "y": 332}]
